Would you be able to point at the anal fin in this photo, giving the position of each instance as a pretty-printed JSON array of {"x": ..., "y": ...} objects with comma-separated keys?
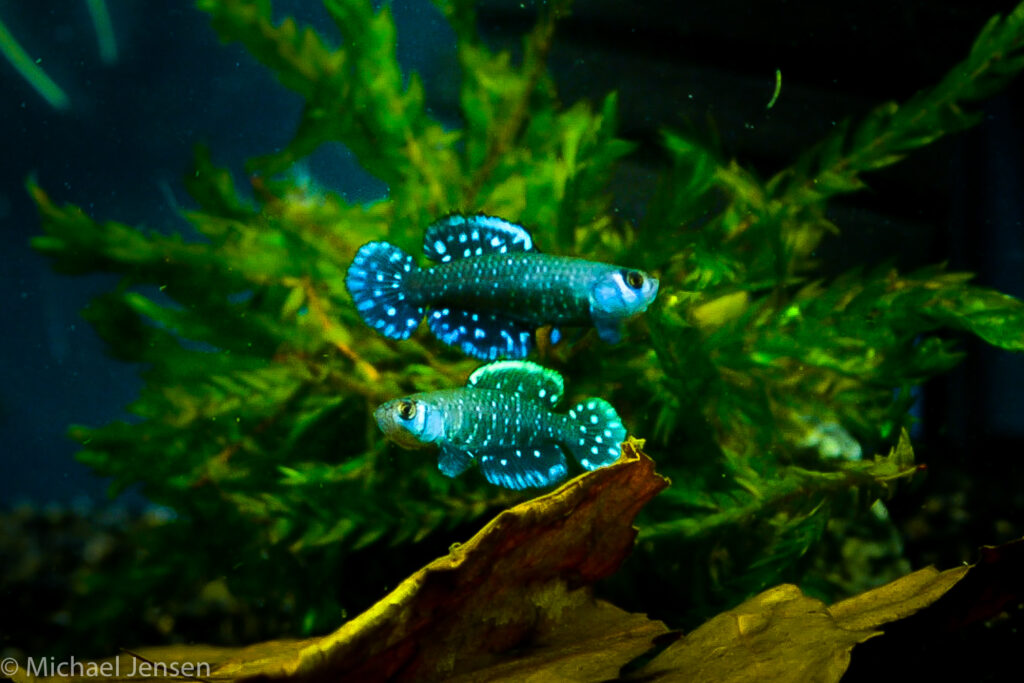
[
  {"x": 524, "y": 466},
  {"x": 484, "y": 335}
]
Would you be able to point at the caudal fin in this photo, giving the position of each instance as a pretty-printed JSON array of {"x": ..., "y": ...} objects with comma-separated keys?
[
  {"x": 595, "y": 433},
  {"x": 376, "y": 281}
]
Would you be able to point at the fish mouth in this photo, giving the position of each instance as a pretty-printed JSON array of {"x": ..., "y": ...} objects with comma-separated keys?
[
  {"x": 382, "y": 416},
  {"x": 655, "y": 284}
]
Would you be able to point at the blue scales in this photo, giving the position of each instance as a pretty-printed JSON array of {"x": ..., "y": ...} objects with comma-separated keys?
[
  {"x": 491, "y": 288},
  {"x": 503, "y": 421}
]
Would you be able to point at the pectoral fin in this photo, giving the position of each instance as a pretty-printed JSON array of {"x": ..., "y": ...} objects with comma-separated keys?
[
  {"x": 452, "y": 461},
  {"x": 608, "y": 329}
]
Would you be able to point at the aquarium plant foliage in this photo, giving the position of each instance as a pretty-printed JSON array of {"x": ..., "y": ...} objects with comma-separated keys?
[{"x": 763, "y": 390}]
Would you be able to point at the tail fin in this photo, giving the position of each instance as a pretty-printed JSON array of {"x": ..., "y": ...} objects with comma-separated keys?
[
  {"x": 595, "y": 433},
  {"x": 376, "y": 282}
]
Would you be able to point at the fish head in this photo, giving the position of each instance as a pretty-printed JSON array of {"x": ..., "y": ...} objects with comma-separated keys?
[
  {"x": 622, "y": 293},
  {"x": 411, "y": 422}
]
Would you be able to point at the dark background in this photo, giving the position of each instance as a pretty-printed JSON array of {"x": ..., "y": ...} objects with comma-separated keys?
[{"x": 120, "y": 150}]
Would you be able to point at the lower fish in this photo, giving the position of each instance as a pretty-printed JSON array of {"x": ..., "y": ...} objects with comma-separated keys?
[
  {"x": 503, "y": 421},
  {"x": 491, "y": 288}
]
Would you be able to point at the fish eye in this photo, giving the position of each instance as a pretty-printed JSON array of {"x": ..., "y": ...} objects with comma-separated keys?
[
  {"x": 634, "y": 279},
  {"x": 407, "y": 410}
]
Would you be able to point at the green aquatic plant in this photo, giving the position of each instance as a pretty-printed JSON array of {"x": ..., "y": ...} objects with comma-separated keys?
[
  {"x": 37, "y": 77},
  {"x": 30, "y": 71},
  {"x": 758, "y": 384}
]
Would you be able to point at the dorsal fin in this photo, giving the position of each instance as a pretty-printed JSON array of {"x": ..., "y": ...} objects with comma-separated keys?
[
  {"x": 457, "y": 236},
  {"x": 535, "y": 382}
]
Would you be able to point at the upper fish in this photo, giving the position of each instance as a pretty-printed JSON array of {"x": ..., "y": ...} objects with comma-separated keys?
[
  {"x": 503, "y": 421},
  {"x": 491, "y": 288}
]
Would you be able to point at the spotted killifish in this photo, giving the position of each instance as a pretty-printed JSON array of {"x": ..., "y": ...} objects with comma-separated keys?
[
  {"x": 491, "y": 288},
  {"x": 503, "y": 421}
]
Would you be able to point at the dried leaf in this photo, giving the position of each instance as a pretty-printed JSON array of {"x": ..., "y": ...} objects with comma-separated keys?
[
  {"x": 784, "y": 635},
  {"x": 896, "y": 600},
  {"x": 522, "y": 582},
  {"x": 779, "y": 635},
  {"x": 967, "y": 633},
  {"x": 514, "y": 603}
]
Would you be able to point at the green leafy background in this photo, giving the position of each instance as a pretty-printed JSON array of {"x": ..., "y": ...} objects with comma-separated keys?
[{"x": 748, "y": 378}]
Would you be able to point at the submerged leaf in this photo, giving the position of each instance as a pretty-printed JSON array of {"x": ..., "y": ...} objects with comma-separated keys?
[
  {"x": 514, "y": 603},
  {"x": 522, "y": 581},
  {"x": 780, "y": 635},
  {"x": 784, "y": 635}
]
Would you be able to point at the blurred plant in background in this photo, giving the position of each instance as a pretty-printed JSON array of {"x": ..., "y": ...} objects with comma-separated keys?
[
  {"x": 35, "y": 75},
  {"x": 758, "y": 385}
]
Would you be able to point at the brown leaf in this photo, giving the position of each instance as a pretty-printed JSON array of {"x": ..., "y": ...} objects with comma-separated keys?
[
  {"x": 897, "y": 599},
  {"x": 514, "y": 603},
  {"x": 970, "y": 632},
  {"x": 779, "y": 635},
  {"x": 520, "y": 587},
  {"x": 783, "y": 635}
]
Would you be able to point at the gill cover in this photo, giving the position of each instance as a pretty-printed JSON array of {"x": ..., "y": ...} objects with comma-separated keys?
[
  {"x": 619, "y": 294},
  {"x": 411, "y": 422}
]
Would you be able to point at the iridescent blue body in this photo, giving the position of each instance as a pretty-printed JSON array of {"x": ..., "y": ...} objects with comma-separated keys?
[
  {"x": 502, "y": 421},
  {"x": 491, "y": 288}
]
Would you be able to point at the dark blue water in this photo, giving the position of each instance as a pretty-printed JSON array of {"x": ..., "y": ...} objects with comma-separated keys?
[{"x": 119, "y": 151}]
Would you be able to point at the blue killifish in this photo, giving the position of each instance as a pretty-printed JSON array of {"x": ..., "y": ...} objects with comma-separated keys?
[
  {"x": 502, "y": 420},
  {"x": 491, "y": 288}
]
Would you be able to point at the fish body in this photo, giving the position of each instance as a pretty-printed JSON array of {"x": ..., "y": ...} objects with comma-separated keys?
[
  {"x": 491, "y": 289},
  {"x": 503, "y": 421}
]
